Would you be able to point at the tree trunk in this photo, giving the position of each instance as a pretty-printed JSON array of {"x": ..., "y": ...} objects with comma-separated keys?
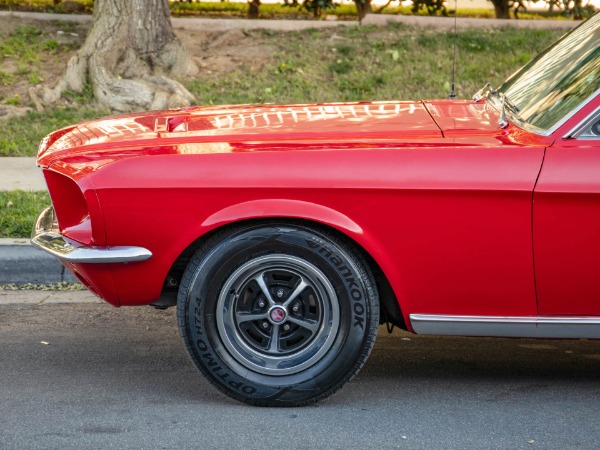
[
  {"x": 253, "y": 9},
  {"x": 502, "y": 9},
  {"x": 128, "y": 57},
  {"x": 363, "y": 7}
]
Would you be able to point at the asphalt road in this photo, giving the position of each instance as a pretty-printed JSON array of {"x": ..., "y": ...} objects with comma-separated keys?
[{"x": 119, "y": 378}]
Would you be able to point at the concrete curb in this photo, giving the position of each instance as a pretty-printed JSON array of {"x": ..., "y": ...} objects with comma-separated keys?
[{"x": 21, "y": 263}]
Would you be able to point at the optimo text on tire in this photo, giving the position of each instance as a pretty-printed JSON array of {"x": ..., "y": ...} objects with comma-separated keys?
[{"x": 278, "y": 314}]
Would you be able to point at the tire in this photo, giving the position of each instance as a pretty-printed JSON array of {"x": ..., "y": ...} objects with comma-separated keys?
[{"x": 278, "y": 314}]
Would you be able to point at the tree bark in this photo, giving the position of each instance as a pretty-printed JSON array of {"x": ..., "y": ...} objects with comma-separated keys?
[
  {"x": 129, "y": 57},
  {"x": 253, "y": 9},
  {"x": 502, "y": 9},
  {"x": 363, "y": 7}
]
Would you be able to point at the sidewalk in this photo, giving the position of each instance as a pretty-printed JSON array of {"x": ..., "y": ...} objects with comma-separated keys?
[
  {"x": 202, "y": 23},
  {"x": 467, "y": 22},
  {"x": 216, "y": 25},
  {"x": 20, "y": 173}
]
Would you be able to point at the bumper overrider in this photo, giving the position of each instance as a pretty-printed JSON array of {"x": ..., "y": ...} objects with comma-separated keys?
[{"x": 46, "y": 236}]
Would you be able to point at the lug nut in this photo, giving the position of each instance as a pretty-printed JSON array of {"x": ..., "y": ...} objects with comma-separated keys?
[
  {"x": 261, "y": 303},
  {"x": 279, "y": 293},
  {"x": 265, "y": 325},
  {"x": 286, "y": 327},
  {"x": 296, "y": 307}
]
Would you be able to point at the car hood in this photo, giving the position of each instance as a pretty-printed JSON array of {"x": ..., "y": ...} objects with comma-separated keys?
[{"x": 243, "y": 128}]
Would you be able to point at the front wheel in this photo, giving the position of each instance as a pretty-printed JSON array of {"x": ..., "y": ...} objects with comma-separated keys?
[{"x": 278, "y": 315}]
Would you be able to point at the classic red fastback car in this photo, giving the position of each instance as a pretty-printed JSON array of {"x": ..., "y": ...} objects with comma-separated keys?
[{"x": 286, "y": 234}]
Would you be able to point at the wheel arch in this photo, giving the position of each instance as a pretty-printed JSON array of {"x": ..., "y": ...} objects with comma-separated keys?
[{"x": 297, "y": 213}]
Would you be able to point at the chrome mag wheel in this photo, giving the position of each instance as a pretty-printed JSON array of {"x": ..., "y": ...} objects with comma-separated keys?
[{"x": 278, "y": 314}]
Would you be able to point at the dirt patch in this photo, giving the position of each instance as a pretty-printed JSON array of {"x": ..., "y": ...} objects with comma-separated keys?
[
  {"x": 9, "y": 67},
  {"x": 34, "y": 52},
  {"x": 8, "y": 111},
  {"x": 223, "y": 52},
  {"x": 10, "y": 24}
]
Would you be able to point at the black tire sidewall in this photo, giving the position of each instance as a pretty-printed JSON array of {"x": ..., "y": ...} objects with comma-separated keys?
[{"x": 206, "y": 276}]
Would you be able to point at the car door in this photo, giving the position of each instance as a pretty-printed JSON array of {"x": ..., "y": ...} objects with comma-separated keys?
[{"x": 566, "y": 223}]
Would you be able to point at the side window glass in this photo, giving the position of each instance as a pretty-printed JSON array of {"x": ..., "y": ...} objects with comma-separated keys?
[{"x": 592, "y": 131}]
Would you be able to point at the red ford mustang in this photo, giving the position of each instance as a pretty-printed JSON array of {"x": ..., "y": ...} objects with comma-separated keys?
[{"x": 286, "y": 234}]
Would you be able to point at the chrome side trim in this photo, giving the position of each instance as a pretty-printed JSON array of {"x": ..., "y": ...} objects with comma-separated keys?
[
  {"x": 500, "y": 326},
  {"x": 46, "y": 237}
]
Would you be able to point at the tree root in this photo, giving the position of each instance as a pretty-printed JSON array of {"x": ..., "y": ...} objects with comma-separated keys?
[{"x": 129, "y": 63}]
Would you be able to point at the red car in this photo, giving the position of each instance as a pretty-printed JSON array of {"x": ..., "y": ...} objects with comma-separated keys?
[{"x": 286, "y": 234}]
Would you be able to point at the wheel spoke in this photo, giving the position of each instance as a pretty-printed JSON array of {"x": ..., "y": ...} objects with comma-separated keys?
[
  {"x": 244, "y": 317},
  {"x": 301, "y": 286},
  {"x": 263, "y": 287},
  {"x": 310, "y": 325},
  {"x": 274, "y": 344}
]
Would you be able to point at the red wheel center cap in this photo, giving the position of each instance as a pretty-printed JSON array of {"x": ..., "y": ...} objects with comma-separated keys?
[{"x": 277, "y": 315}]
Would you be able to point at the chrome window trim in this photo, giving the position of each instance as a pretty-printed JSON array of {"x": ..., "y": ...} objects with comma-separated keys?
[
  {"x": 559, "y": 327},
  {"x": 46, "y": 237},
  {"x": 539, "y": 131},
  {"x": 575, "y": 132}
]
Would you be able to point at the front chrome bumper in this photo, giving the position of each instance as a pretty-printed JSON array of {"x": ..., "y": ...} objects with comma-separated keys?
[{"x": 46, "y": 236}]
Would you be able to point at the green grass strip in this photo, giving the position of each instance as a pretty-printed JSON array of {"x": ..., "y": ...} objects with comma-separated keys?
[
  {"x": 21, "y": 135},
  {"x": 19, "y": 210}
]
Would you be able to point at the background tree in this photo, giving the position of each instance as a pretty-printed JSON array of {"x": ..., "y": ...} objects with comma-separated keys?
[
  {"x": 253, "y": 9},
  {"x": 502, "y": 8},
  {"x": 130, "y": 57},
  {"x": 363, "y": 7},
  {"x": 318, "y": 7},
  {"x": 575, "y": 9},
  {"x": 432, "y": 6}
]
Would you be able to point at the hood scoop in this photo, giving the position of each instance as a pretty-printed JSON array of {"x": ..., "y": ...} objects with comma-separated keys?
[{"x": 161, "y": 125}]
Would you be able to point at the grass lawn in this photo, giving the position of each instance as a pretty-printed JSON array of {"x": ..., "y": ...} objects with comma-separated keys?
[
  {"x": 373, "y": 63},
  {"x": 18, "y": 211},
  {"x": 337, "y": 64}
]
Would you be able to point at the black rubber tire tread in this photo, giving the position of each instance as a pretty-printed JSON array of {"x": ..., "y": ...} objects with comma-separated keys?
[{"x": 345, "y": 244}]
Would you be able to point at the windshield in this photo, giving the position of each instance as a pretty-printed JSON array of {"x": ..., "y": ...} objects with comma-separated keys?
[{"x": 560, "y": 79}]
